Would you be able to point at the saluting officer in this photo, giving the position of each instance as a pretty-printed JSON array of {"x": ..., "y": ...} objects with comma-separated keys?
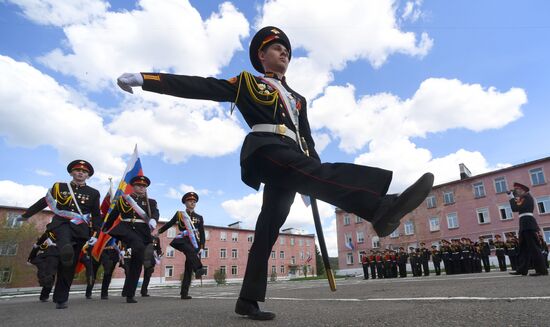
[
  {"x": 139, "y": 215},
  {"x": 522, "y": 202},
  {"x": 190, "y": 241},
  {"x": 76, "y": 219},
  {"x": 280, "y": 152}
]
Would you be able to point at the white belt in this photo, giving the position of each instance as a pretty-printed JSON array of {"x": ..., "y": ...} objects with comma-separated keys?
[
  {"x": 130, "y": 220},
  {"x": 525, "y": 214},
  {"x": 276, "y": 129}
]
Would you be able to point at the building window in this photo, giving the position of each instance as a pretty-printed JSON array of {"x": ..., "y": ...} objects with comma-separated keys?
[
  {"x": 500, "y": 185},
  {"x": 234, "y": 254},
  {"x": 409, "y": 228},
  {"x": 349, "y": 258},
  {"x": 171, "y": 232},
  {"x": 281, "y": 254},
  {"x": 8, "y": 249},
  {"x": 234, "y": 270},
  {"x": 223, "y": 253},
  {"x": 434, "y": 224},
  {"x": 223, "y": 236},
  {"x": 250, "y": 238},
  {"x": 448, "y": 197},
  {"x": 302, "y": 255},
  {"x": 205, "y": 270},
  {"x": 537, "y": 176},
  {"x": 292, "y": 260},
  {"x": 5, "y": 275},
  {"x": 346, "y": 219},
  {"x": 360, "y": 237},
  {"x": 395, "y": 233},
  {"x": 308, "y": 243},
  {"x": 430, "y": 202},
  {"x": 452, "y": 220},
  {"x": 300, "y": 242},
  {"x": 375, "y": 242},
  {"x": 543, "y": 204},
  {"x": 505, "y": 211},
  {"x": 207, "y": 234},
  {"x": 292, "y": 241},
  {"x": 479, "y": 190},
  {"x": 358, "y": 220},
  {"x": 234, "y": 237},
  {"x": 348, "y": 238},
  {"x": 483, "y": 216},
  {"x": 282, "y": 269},
  {"x": 204, "y": 253},
  {"x": 272, "y": 254},
  {"x": 11, "y": 221},
  {"x": 282, "y": 240},
  {"x": 169, "y": 271},
  {"x": 546, "y": 232},
  {"x": 223, "y": 270},
  {"x": 273, "y": 269},
  {"x": 169, "y": 252}
]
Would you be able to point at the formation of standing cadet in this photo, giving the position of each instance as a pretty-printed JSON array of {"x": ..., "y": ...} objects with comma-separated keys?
[
  {"x": 365, "y": 263},
  {"x": 530, "y": 249},
  {"x": 76, "y": 220},
  {"x": 45, "y": 256},
  {"x": 190, "y": 240},
  {"x": 139, "y": 215},
  {"x": 511, "y": 250},
  {"x": 280, "y": 152}
]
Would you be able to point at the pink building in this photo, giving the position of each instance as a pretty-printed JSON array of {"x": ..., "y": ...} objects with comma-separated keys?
[
  {"x": 470, "y": 207},
  {"x": 226, "y": 249}
]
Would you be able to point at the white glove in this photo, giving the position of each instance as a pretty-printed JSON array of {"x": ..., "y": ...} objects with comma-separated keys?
[
  {"x": 50, "y": 242},
  {"x": 510, "y": 195},
  {"x": 21, "y": 218},
  {"x": 128, "y": 80},
  {"x": 152, "y": 224},
  {"x": 92, "y": 241},
  {"x": 200, "y": 253}
]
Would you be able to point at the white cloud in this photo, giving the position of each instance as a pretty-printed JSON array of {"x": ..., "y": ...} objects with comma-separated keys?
[
  {"x": 14, "y": 194},
  {"x": 337, "y": 32},
  {"x": 183, "y": 188},
  {"x": 387, "y": 124},
  {"x": 61, "y": 13},
  {"x": 168, "y": 35},
  {"x": 411, "y": 12},
  {"x": 321, "y": 141},
  {"x": 42, "y": 172}
]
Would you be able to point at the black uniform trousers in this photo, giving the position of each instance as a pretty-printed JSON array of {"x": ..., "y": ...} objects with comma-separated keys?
[
  {"x": 46, "y": 269},
  {"x": 373, "y": 269},
  {"x": 513, "y": 261},
  {"x": 108, "y": 260},
  {"x": 366, "y": 271},
  {"x": 501, "y": 261},
  {"x": 135, "y": 238},
  {"x": 426, "y": 267},
  {"x": 147, "y": 273},
  {"x": 402, "y": 269},
  {"x": 192, "y": 262},
  {"x": 530, "y": 252},
  {"x": 437, "y": 267},
  {"x": 65, "y": 234},
  {"x": 486, "y": 263}
]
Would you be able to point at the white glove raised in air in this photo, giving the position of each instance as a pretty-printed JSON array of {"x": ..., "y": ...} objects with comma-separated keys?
[
  {"x": 92, "y": 241},
  {"x": 128, "y": 80},
  {"x": 152, "y": 224}
]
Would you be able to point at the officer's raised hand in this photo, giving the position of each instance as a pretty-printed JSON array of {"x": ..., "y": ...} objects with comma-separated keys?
[{"x": 128, "y": 80}]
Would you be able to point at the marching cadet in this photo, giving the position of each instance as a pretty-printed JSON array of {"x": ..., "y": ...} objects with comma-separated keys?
[
  {"x": 148, "y": 272},
  {"x": 522, "y": 202},
  {"x": 372, "y": 263},
  {"x": 76, "y": 219},
  {"x": 402, "y": 257},
  {"x": 500, "y": 252},
  {"x": 110, "y": 256},
  {"x": 139, "y": 215},
  {"x": 445, "y": 250},
  {"x": 190, "y": 241},
  {"x": 436, "y": 259},
  {"x": 45, "y": 256},
  {"x": 280, "y": 152},
  {"x": 425, "y": 258},
  {"x": 485, "y": 252},
  {"x": 365, "y": 263},
  {"x": 512, "y": 250},
  {"x": 380, "y": 265}
]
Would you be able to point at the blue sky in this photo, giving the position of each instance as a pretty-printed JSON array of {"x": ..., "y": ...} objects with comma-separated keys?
[{"x": 404, "y": 85}]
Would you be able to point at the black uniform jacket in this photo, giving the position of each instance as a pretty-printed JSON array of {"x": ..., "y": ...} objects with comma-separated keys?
[
  {"x": 88, "y": 201},
  {"x": 257, "y": 101},
  {"x": 525, "y": 204},
  {"x": 197, "y": 220},
  {"x": 123, "y": 208}
]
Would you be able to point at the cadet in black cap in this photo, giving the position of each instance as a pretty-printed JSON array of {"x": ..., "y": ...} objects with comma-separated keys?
[
  {"x": 280, "y": 152},
  {"x": 139, "y": 215},
  {"x": 522, "y": 202},
  {"x": 188, "y": 239},
  {"x": 76, "y": 219}
]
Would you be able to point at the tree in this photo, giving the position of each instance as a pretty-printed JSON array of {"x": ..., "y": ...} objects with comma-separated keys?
[{"x": 319, "y": 262}]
